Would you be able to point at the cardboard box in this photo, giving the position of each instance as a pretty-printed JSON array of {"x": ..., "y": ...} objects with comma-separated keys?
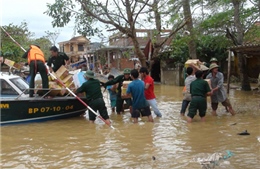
[
  {"x": 67, "y": 80},
  {"x": 126, "y": 83},
  {"x": 62, "y": 72},
  {"x": 17, "y": 66},
  {"x": 9, "y": 62},
  {"x": 209, "y": 82},
  {"x": 195, "y": 62},
  {"x": 124, "y": 87}
]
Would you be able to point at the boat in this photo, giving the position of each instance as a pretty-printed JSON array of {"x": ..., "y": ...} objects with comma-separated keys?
[{"x": 17, "y": 107}]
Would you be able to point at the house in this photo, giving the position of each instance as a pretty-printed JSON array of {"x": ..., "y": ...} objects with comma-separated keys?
[
  {"x": 120, "y": 53},
  {"x": 75, "y": 47},
  {"x": 250, "y": 49}
]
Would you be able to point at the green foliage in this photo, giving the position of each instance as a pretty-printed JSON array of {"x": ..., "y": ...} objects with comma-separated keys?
[
  {"x": 21, "y": 35},
  {"x": 209, "y": 46},
  {"x": 62, "y": 11},
  {"x": 179, "y": 48}
]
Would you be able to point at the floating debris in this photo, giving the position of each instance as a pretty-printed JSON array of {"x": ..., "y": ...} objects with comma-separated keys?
[
  {"x": 244, "y": 133},
  {"x": 153, "y": 158},
  {"x": 213, "y": 160},
  {"x": 233, "y": 124}
]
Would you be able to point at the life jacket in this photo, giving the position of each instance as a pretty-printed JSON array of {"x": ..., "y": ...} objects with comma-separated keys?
[{"x": 35, "y": 54}]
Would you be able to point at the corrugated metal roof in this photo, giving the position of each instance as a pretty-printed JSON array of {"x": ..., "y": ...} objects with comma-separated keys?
[{"x": 248, "y": 49}]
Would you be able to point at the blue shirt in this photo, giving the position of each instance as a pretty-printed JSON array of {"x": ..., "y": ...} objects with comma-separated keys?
[
  {"x": 136, "y": 88},
  {"x": 112, "y": 94}
]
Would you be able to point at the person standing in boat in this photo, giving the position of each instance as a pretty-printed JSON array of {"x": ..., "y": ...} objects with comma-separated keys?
[
  {"x": 94, "y": 96},
  {"x": 119, "y": 101},
  {"x": 36, "y": 62},
  {"x": 57, "y": 59}
]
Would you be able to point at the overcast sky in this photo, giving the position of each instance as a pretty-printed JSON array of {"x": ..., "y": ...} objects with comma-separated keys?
[{"x": 31, "y": 11}]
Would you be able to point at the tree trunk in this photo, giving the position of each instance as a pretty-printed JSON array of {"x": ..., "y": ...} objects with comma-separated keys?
[
  {"x": 245, "y": 85},
  {"x": 188, "y": 18},
  {"x": 158, "y": 25}
]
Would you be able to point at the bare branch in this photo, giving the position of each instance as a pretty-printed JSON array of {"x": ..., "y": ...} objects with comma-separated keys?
[
  {"x": 120, "y": 11},
  {"x": 140, "y": 10},
  {"x": 111, "y": 22},
  {"x": 172, "y": 33}
]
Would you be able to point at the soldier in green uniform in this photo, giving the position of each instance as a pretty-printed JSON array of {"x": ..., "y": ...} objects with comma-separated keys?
[
  {"x": 94, "y": 96},
  {"x": 120, "y": 79},
  {"x": 199, "y": 90},
  {"x": 57, "y": 59}
]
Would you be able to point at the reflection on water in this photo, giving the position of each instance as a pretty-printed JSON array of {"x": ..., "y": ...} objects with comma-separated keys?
[{"x": 75, "y": 143}]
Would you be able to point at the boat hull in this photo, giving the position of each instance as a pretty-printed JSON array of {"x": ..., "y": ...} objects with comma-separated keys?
[{"x": 32, "y": 110}]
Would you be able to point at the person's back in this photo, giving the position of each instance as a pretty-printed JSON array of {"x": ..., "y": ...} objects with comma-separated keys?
[
  {"x": 199, "y": 88},
  {"x": 188, "y": 81},
  {"x": 136, "y": 88},
  {"x": 186, "y": 91},
  {"x": 92, "y": 89},
  {"x": 36, "y": 63},
  {"x": 140, "y": 105}
]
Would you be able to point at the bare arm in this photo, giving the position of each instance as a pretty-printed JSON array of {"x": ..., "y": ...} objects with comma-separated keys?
[
  {"x": 146, "y": 86},
  {"x": 50, "y": 69}
]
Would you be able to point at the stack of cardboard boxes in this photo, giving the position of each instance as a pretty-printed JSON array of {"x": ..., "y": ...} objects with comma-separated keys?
[{"x": 58, "y": 89}]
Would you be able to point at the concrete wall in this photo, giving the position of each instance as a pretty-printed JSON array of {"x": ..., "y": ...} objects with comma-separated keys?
[
  {"x": 172, "y": 76},
  {"x": 122, "y": 63}
]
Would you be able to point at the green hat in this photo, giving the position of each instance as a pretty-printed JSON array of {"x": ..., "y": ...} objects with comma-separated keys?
[
  {"x": 213, "y": 60},
  {"x": 89, "y": 74},
  {"x": 127, "y": 71},
  {"x": 212, "y": 66}
]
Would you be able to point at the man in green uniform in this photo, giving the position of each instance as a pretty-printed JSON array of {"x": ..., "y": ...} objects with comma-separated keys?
[
  {"x": 94, "y": 97},
  {"x": 120, "y": 79},
  {"x": 57, "y": 59},
  {"x": 199, "y": 90}
]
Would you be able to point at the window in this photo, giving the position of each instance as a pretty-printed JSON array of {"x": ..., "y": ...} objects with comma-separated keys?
[
  {"x": 80, "y": 47},
  {"x": 6, "y": 89},
  {"x": 71, "y": 48},
  {"x": 21, "y": 84},
  {"x": 141, "y": 34}
]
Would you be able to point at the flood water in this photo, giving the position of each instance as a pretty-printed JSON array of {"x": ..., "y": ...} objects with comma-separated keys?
[{"x": 169, "y": 142}]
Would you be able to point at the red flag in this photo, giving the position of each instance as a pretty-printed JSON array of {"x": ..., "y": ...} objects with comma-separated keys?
[{"x": 148, "y": 50}]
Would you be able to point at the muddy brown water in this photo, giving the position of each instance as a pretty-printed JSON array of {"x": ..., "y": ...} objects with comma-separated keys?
[{"x": 169, "y": 142}]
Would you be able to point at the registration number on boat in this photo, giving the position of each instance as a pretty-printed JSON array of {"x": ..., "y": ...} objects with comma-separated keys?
[{"x": 49, "y": 109}]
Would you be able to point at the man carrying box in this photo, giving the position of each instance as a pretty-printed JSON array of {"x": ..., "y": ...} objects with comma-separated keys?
[
  {"x": 57, "y": 59},
  {"x": 140, "y": 105},
  {"x": 94, "y": 97},
  {"x": 120, "y": 79}
]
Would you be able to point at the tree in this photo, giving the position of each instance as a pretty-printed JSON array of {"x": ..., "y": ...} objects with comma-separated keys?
[
  {"x": 52, "y": 36},
  {"x": 45, "y": 45},
  {"x": 188, "y": 18},
  {"x": 121, "y": 15},
  {"x": 21, "y": 34},
  {"x": 245, "y": 84},
  {"x": 232, "y": 18}
]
